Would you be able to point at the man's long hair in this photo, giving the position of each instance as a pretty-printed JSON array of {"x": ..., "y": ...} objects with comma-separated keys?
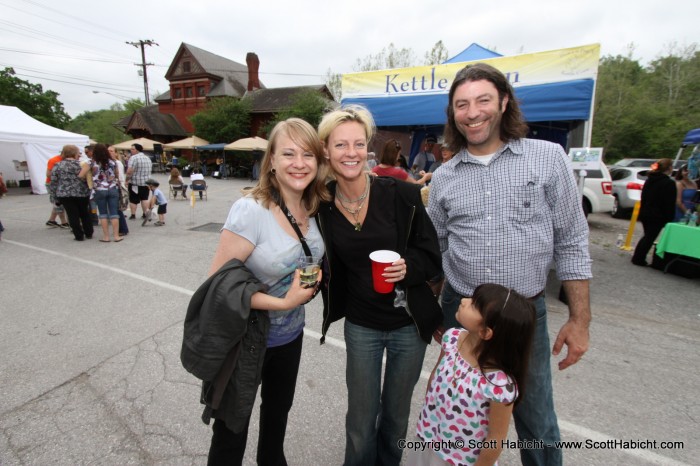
[{"x": 513, "y": 125}]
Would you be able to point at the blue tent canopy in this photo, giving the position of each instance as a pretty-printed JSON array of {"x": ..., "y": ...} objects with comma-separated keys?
[
  {"x": 692, "y": 137},
  {"x": 547, "y": 102},
  {"x": 559, "y": 101},
  {"x": 473, "y": 52}
]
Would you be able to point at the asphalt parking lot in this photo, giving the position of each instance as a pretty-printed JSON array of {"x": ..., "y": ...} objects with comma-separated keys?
[{"x": 91, "y": 333}]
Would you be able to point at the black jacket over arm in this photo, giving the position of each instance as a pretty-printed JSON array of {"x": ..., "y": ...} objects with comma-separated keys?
[
  {"x": 219, "y": 319},
  {"x": 418, "y": 245}
]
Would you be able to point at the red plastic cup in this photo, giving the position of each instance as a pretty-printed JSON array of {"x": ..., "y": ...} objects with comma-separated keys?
[{"x": 380, "y": 260}]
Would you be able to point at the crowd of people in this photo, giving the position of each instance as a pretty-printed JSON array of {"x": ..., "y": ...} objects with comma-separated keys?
[{"x": 95, "y": 192}]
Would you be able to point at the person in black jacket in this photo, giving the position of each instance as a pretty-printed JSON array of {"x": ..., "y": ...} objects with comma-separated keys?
[
  {"x": 370, "y": 213},
  {"x": 657, "y": 209}
]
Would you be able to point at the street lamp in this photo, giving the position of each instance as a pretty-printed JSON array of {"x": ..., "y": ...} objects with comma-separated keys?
[{"x": 113, "y": 95}]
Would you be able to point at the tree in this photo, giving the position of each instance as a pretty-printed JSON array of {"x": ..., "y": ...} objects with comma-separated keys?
[
  {"x": 389, "y": 57},
  {"x": 618, "y": 97},
  {"x": 644, "y": 112},
  {"x": 334, "y": 82},
  {"x": 99, "y": 125},
  {"x": 224, "y": 119},
  {"x": 437, "y": 55},
  {"x": 32, "y": 99},
  {"x": 309, "y": 105}
]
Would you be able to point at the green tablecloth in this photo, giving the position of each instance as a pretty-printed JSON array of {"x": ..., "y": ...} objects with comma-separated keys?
[{"x": 680, "y": 239}]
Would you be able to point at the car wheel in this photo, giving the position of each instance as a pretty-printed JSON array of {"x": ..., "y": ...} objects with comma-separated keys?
[
  {"x": 616, "y": 211},
  {"x": 586, "y": 207}
]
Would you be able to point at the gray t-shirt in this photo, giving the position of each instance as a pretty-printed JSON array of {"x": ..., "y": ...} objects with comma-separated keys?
[{"x": 273, "y": 260}]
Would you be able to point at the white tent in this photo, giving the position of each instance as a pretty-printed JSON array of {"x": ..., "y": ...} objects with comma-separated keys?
[{"x": 25, "y": 139}]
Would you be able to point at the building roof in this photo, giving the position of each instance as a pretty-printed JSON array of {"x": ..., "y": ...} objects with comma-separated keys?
[
  {"x": 156, "y": 123},
  {"x": 275, "y": 99},
  {"x": 230, "y": 77}
]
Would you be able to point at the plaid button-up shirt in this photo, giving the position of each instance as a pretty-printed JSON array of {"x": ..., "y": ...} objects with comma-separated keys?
[
  {"x": 142, "y": 166},
  {"x": 505, "y": 222}
]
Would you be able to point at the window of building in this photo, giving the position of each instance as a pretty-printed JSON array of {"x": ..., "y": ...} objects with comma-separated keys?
[
  {"x": 201, "y": 91},
  {"x": 188, "y": 92},
  {"x": 186, "y": 66},
  {"x": 178, "y": 93}
]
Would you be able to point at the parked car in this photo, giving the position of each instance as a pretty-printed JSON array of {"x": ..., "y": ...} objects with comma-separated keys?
[
  {"x": 645, "y": 163},
  {"x": 625, "y": 179},
  {"x": 597, "y": 191},
  {"x": 634, "y": 163}
]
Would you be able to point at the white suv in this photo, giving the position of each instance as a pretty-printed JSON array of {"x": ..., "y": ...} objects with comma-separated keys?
[{"x": 597, "y": 191}]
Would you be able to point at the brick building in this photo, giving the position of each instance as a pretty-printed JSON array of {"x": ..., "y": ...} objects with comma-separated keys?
[{"x": 197, "y": 76}]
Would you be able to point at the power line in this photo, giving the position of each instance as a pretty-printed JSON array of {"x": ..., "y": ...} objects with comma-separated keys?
[
  {"x": 78, "y": 78},
  {"x": 30, "y": 52},
  {"x": 51, "y": 37},
  {"x": 101, "y": 27},
  {"x": 74, "y": 83}
]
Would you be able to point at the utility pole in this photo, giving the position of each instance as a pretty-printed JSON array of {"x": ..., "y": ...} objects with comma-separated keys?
[{"x": 143, "y": 64}]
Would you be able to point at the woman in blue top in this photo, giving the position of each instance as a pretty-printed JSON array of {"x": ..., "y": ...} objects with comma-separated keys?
[
  {"x": 259, "y": 232},
  {"x": 686, "y": 190}
]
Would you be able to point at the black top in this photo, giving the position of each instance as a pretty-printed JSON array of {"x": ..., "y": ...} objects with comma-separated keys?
[
  {"x": 365, "y": 306},
  {"x": 658, "y": 199},
  {"x": 416, "y": 242}
]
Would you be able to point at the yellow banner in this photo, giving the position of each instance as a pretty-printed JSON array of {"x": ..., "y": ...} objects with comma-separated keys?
[{"x": 521, "y": 70}]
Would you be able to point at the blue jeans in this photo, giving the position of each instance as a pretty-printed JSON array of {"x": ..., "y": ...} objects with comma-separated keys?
[
  {"x": 449, "y": 300},
  {"x": 377, "y": 416},
  {"x": 107, "y": 201},
  {"x": 534, "y": 416}
]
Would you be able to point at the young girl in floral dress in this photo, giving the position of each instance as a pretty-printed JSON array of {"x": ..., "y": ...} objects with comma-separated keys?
[{"x": 477, "y": 381}]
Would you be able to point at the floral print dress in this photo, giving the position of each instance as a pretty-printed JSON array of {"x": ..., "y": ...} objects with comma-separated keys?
[{"x": 456, "y": 407}]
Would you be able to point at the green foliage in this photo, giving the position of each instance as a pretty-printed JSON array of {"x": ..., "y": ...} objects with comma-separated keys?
[
  {"x": 32, "y": 99},
  {"x": 225, "y": 119},
  {"x": 645, "y": 112},
  {"x": 308, "y": 105}
]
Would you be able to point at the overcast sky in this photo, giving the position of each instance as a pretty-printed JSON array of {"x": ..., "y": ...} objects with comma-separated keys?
[{"x": 75, "y": 47}]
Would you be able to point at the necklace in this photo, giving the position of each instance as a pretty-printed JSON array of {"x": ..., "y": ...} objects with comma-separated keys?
[
  {"x": 355, "y": 212},
  {"x": 359, "y": 199},
  {"x": 293, "y": 219}
]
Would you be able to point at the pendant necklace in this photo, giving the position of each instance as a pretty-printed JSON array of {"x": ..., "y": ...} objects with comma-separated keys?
[
  {"x": 355, "y": 212},
  {"x": 292, "y": 218}
]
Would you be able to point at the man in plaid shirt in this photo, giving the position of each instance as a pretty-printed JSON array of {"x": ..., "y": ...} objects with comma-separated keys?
[
  {"x": 504, "y": 208},
  {"x": 137, "y": 174}
]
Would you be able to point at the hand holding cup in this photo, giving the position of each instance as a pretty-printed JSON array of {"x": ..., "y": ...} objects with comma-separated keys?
[{"x": 387, "y": 268}]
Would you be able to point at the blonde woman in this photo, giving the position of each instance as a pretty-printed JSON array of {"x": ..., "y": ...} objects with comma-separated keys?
[{"x": 368, "y": 213}]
